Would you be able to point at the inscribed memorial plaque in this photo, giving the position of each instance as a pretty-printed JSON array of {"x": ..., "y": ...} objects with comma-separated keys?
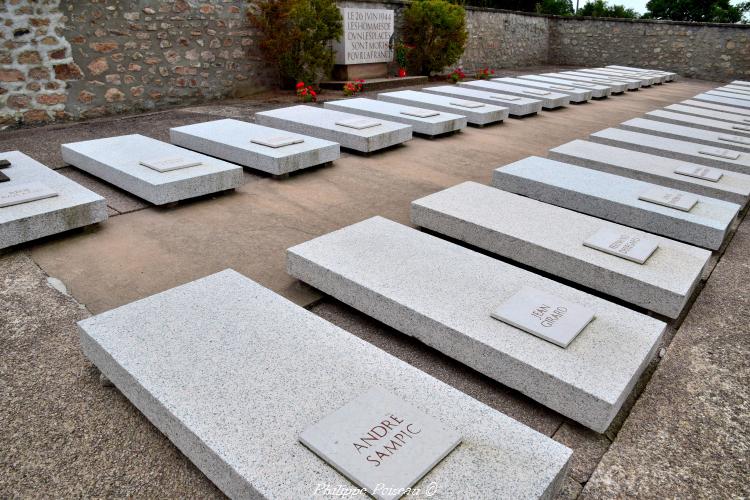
[
  {"x": 366, "y": 38},
  {"x": 621, "y": 244},
  {"x": 736, "y": 139},
  {"x": 24, "y": 193},
  {"x": 420, "y": 113},
  {"x": 359, "y": 123},
  {"x": 380, "y": 442},
  {"x": 705, "y": 173},
  {"x": 470, "y": 105},
  {"x": 278, "y": 141},
  {"x": 720, "y": 153},
  {"x": 169, "y": 164},
  {"x": 669, "y": 198},
  {"x": 544, "y": 315}
]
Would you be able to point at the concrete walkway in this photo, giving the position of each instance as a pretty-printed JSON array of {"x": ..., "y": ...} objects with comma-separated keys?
[
  {"x": 65, "y": 435},
  {"x": 687, "y": 436}
]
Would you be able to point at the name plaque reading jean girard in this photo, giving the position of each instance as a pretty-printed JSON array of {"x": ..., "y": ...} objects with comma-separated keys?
[
  {"x": 380, "y": 442},
  {"x": 367, "y": 34}
]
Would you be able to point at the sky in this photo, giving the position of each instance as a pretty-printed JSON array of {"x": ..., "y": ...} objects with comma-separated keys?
[{"x": 638, "y": 5}]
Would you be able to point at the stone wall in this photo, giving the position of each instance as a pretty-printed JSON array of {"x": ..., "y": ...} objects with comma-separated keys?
[
  {"x": 505, "y": 39},
  {"x": 35, "y": 62},
  {"x": 76, "y": 59},
  {"x": 718, "y": 52},
  {"x": 81, "y": 59}
]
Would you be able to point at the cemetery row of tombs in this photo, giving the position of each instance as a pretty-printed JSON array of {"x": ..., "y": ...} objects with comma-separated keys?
[{"x": 634, "y": 212}]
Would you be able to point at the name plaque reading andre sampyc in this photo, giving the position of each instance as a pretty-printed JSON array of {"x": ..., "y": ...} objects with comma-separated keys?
[
  {"x": 668, "y": 198},
  {"x": 536, "y": 92},
  {"x": 367, "y": 33},
  {"x": 705, "y": 173},
  {"x": 359, "y": 123},
  {"x": 169, "y": 164},
  {"x": 720, "y": 153},
  {"x": 547, "y": 316},
  {"x": 24, "y": 193},
  {"x": 620, "y": 244},
  {"x": 278, "y": 141},
  {"x": 380, "y": 442}
]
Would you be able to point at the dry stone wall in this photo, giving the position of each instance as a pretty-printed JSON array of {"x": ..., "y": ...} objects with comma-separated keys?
[
  {"x": 82, "y": 59},
  {"x": 718, "y": 52},
  {"x": 36, "y": 62},
  {"x": 86, "y": 59},
  {"x": 505, "y": 39}
]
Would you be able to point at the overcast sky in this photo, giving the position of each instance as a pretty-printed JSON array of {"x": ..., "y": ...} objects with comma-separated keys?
[{"x": 638, "y": 5}]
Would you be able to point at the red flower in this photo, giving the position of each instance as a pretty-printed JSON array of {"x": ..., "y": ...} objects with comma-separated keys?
[
  {"x": 312, "y": 92},
  {"x": 300, "y": 85},
  {"x": 401, "y": 72}
]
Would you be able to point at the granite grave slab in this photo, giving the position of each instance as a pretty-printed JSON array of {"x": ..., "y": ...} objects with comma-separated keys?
[
  {"x": 261, "y": 148},
  {"x": 118, "y": 161},
  {"x": 714, "y": 106},
  {"x": 656, "y": 78},
  {"x": 597, "y": 91},
  {"x": 558, "y": 241},
  {"x": 423, "y": 121},
  {"x": 633, "y": 83},
  {"x": 645, "y": 81},
  {"x": 669, "y": 76},
  {"x": 744, "y": 83},
  {"x": 517, "y": 106},
  {"x": 550, "y": 100},
  {"x": 735, "y": 89},
  {"x": 616, "y": 87},
  {"x": 476, "y": 115},
  {"x": 444, "y": 294},
  {"x": 705, "y": 119},
  {"x": 728, "y": 138},
  {"x": 577, "y": 95},
  {"x": 743, "y": 98},
  {"x": 234, "y": 375},
  {"x": 718, "y": 157},
  {"x": 725, "y": 100},
  {"x": 352, "y": 131},
  {"x": 621, "y": 199},
  {"x": 36, "y": 202},
  {"x": 732, "y": 186}
]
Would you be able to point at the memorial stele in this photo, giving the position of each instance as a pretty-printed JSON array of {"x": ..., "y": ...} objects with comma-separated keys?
[{"x": 364, "y": 50}]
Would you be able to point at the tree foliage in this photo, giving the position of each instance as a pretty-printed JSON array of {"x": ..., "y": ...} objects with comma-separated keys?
[
  {"x": 295, "y": 36},
  {"x": 555, "y": 7},
  {"x": 601, "y": 8},
  {"x": 716, "y": 11},
  {"x": 436, "y": 32}
]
